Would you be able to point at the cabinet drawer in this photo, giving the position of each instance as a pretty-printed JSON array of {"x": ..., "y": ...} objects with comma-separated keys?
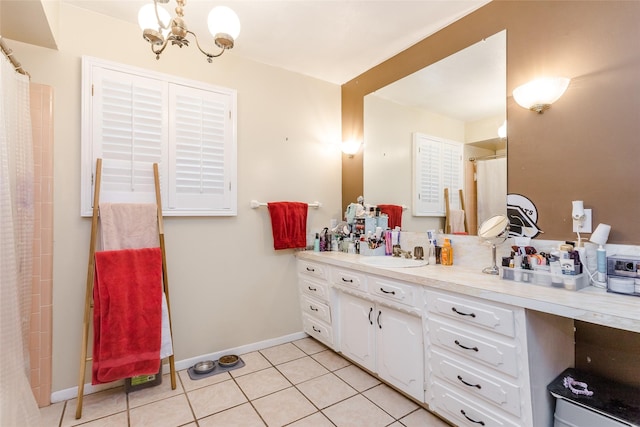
[
  {"x": 466, "y": 412},
  {"x": 394, "y": 291},
  {"x": 470, "y": 311},
  {"x": 312, "y": 269},
  {"x": 316, "y": 309},
  {"x": 350, "y": 279},
  {"x": 317, "y": 330},
  {"x": 496, "y": 354},
  {"x": 316, "y": 289},
  {"x": 476, "y": 383}
]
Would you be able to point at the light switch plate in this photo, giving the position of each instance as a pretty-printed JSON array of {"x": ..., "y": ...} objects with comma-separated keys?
[{"x": 583, "y": 226}]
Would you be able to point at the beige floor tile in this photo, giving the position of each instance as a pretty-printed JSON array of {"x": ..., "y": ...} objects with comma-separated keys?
[
  {"x": 331, "y": 360},
  {"x": 326, "y": 390},
  {"x": 300, "y": 370},
  {"x": 314, "y": 420},
  {"x": 96, "y": 405},
  {"x": 172, "y": 412},
  {"x": 390, "y": 400},
  {"x": 240, "y": 416},
  {"x": 422, "y": 418},
  {"x": 215, "y": 398},
  {"x": 283, "y": 407},
  {"x": 282, "y": 353},
  {"x": 52, "y": 414},
  {"x": 253, "y": 362},
  {"x": 115, "y": 420},
  {"x": 357, "y": 378},
  {"x": 190, "y": 384},
  {"x": 309, "y": 345},
  {"x": 152, "y": 394},
  {"x": 261, "y": 383},
  {"x": 357, "y": 411}
]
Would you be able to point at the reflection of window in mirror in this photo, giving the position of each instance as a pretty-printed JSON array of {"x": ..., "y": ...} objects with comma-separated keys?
[{"x": 460, "y": 98}]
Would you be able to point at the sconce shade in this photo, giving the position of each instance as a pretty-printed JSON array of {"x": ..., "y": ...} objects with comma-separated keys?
[
  {"x": 539, "y": 94},
  {"x": 601, "y": 234},
  {"x": 502, "y": 130},
  {"x": 351, "y": 147},
  {"x": 148, "y": 22},
  {"x": 223, "y": 20}
]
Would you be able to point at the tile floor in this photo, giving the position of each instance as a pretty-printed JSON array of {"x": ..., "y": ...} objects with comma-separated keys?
[{"x": 298, "y": 384}]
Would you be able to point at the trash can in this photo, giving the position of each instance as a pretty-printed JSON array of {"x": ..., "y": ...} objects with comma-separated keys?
[{"x": 586, "y": 400}]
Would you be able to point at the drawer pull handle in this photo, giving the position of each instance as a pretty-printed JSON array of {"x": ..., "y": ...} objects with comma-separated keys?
[
  {"x": 347, "y": 280},
  {"x": 316, "y": 330},
  {"x": 471, "y": 419},
  {"x": 312, "y": 289},
  {"x": 370, "y": 311},
  {"x": 462, "y": 313},
  {"x": 387, "y": 292},
  {"x": 378, "y": 319},
  {"x": 478, "y": 386},
  {"x": 466, "y": 348},
  {"x": 311, "y": 269},
  {"x": 313, "y": 308}
]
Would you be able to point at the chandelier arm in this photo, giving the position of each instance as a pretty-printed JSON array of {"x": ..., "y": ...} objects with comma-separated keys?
[
  {"x": 161, "y": 49},
  {"x": 207, "y": 54},
  {"x": 160, "y": 24}
]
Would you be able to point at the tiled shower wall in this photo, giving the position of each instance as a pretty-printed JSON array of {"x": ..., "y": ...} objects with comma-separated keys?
[{"x": 41, "y": 306}]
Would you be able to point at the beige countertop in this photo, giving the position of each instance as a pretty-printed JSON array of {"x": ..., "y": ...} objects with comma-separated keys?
[{"x": 590, "y": 304}]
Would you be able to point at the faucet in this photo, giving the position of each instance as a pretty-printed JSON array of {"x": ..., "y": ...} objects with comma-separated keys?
[{"x": 398, "y": 252}]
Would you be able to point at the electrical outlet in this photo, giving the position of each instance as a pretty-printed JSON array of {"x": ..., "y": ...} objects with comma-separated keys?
[{"x": 583, "y": 226}]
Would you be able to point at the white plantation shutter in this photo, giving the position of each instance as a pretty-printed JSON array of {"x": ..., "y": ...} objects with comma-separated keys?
[
  {"x": 199, "y": 146},
  {"x": 129, "y": 134},
  {"x": 437, "y": 164},
  {"x": 132, "y": 118}
]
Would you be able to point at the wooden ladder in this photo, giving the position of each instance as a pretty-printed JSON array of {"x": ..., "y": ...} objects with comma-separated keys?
[
  {"x": 88, "y": 302},
  {"x": 447, "y": 208}
]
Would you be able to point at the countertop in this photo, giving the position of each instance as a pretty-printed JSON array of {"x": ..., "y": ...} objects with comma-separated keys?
[{"x": 590, "y": 304}]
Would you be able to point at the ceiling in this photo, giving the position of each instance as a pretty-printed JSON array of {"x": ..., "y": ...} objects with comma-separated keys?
[{"x": 332, "y": 40}]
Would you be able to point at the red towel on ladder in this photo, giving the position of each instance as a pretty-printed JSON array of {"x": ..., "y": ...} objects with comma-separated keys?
[
  {"x": 127, "y": 315},
  {"x": 288, "y": 224}
]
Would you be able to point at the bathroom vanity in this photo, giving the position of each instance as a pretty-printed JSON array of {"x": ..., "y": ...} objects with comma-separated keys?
[{"x": 477, "y": 350}]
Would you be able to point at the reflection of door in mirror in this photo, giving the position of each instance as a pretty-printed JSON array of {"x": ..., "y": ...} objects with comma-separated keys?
[{"x": 460, "y": 98}]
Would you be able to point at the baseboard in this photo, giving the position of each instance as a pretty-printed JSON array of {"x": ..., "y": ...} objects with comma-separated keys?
[{"x": 70, "y": 393}]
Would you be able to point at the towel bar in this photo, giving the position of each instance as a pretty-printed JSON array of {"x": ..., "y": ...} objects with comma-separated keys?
[{"x": 256, "y": 204}]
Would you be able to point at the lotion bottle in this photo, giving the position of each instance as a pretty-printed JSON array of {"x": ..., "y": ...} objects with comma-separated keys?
[{"x": 447, "y": 253}]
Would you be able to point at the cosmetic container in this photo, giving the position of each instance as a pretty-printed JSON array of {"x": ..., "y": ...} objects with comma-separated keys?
[{"x": 446, "y": 253}]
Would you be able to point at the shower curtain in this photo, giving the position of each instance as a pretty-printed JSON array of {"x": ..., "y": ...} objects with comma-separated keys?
[
  {"x": 491, "y": 178},
  {"x": 17, "y": 403}
]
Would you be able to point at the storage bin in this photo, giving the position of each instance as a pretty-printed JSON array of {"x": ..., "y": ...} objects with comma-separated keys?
[{"x": 544, "y": 278}]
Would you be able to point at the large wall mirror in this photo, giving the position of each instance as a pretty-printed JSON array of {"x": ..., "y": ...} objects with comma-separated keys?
[{"x": 461, "y": 98}]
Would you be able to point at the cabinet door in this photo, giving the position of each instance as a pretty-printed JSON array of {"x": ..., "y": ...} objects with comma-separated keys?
[
  {"x": 357, "y": 334},
  {"x": 400, "y": 350}
]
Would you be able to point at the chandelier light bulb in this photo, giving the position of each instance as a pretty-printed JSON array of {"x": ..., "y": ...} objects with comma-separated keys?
[
  {"x": 147, "y": 18},
  {"x": 223, "y": 20}
]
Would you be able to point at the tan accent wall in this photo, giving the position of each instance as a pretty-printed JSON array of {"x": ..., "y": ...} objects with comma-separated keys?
[{"x": 586, "y": 146}]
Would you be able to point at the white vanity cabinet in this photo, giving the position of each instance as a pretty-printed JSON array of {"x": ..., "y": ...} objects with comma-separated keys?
[
  {"x": 380, "y": 328},
  {"x": 482, "y": 362},
  {"x": 314, "y": 290}
]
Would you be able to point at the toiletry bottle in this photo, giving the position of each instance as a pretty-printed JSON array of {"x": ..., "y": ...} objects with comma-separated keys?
[
  {"x": 316, "y": 243},
  {"x": 446, "y": 253}
]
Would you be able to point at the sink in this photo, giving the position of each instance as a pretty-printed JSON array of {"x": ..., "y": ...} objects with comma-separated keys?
[{"x": 392, "y": 262}]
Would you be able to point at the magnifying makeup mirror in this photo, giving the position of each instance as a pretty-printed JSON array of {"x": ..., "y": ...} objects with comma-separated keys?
[{"x": 495, "y": 231}]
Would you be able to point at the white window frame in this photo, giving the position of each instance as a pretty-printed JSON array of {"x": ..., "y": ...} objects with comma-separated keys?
[
  {"x": 437, "y": 164},
  {"x": 215, "y": 196}
]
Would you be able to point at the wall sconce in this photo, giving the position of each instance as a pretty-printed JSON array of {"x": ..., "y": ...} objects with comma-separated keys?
[
  {"x": 351, "y": 147},
  {"x": 539, "y": 94},
  {"x": 502, "y": 130}
]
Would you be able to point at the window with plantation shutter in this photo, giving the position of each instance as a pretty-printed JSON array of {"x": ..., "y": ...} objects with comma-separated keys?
[
  {"x": 437, "y": 164},
  {"x": 132, "y": 118}
]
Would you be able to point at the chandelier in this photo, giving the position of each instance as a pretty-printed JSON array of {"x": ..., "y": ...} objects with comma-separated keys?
[{"x": 159, "y": 28}]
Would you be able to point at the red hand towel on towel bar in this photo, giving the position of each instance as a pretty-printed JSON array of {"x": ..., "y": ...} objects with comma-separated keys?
[
  {"x": 395, "y": 214},
  {"x": 289, "y": 224},
  {"x": 127, "y": 315}
]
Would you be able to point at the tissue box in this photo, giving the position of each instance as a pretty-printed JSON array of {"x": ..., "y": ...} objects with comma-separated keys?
[
  {"x": 366, "y": 251},
  {"x": 572, "y": 282}
]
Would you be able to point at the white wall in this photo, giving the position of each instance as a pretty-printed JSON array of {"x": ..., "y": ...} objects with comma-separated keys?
[{"x": 228, "y": 286}]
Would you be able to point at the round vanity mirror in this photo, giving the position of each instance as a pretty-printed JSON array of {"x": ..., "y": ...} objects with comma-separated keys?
[{"x": 494, "y": 230}]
